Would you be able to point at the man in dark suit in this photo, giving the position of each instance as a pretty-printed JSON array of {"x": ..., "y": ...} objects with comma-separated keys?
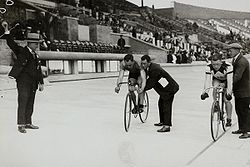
[
  {"x": 154, "y": 74},
  {"x": 241, "y": 89},
  {"x": 28, "y": 74},
  {"x": 121, "y": 42}
]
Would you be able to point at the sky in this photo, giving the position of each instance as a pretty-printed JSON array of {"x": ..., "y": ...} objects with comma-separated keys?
[{"x": 234, "y": 5}]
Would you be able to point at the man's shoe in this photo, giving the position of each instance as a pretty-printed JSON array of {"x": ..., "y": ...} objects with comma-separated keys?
[
  {"x": 244, "y": 136},
  {"x": 30, "y": 126},
  {"x": 158, "y": 124},
  {"x": 164, "y": 129},
  {"x": 21, "y": 129},
  {"x": 237, "y": 132}
]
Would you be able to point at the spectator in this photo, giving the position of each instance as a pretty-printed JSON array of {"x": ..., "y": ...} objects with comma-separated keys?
[
  {"x": 156, "y": 36},
  {"x": 134, "y": 32},
  {"x": 121, "y": 42}
]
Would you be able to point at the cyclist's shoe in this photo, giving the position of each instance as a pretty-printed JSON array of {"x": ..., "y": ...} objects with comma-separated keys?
[
  {"x": 216, "y": 108},
  {"x": 229, "y": 122},
  {"x": 204, "y": 96},
  {"x": 228, "y": 97},
  {"x": 141, "y": 108},
  {"x": 135, "y": 110}
]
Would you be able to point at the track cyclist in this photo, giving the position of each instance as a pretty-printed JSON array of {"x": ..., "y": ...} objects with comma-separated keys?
[
  {"x": 137, "y": 76},
  {"x": 220, "y": 73}
]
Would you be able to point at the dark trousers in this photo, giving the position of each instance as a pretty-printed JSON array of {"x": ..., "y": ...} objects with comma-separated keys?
[
  {"x": 242, "y": 108},
  {"x": 26, "y": 97},
  {"x": 165, "y": 110}
]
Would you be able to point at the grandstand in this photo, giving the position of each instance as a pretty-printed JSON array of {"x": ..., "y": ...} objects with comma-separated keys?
[{"x": 94, "y": 27}]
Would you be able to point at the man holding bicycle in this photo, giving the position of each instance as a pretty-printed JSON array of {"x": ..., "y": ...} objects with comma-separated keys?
[
  {"x": 137, "y": 76},
  {"x": 154, "y": 74},
  {"x": 220, "y": 73}
]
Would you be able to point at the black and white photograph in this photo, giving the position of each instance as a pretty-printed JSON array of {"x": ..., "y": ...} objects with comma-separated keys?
[{"x": 124, "y": 83}]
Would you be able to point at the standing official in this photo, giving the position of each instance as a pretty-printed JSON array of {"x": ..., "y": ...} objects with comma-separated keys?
[
  {"x": 241, "y": 89},
  {"x": 28, "y": 74},
  {"x": 154, "y": 74}
]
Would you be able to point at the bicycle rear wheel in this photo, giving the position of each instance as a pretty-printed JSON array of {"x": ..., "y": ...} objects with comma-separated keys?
[
  {"x": 215, "y": 120},
  {"x": 144, "y": 115},
  {"x": 127, "y": 112}
]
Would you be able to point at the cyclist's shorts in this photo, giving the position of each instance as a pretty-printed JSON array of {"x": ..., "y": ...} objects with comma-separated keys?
[{"x": 219, "y": 81}]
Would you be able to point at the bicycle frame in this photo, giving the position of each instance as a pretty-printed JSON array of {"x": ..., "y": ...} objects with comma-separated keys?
[
  {"x": 219, "y": 93},
  {"x": 129, "y": 84}
]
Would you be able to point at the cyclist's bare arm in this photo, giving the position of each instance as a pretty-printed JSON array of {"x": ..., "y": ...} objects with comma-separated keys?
[
  {"x": 207, "y": 83},
  {"x": 119, "y": 80},
  {"x": 143, "y": 78},
  {"x": 229, "y": 83}
]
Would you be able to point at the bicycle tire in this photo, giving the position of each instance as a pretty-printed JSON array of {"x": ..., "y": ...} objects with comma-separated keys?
[
  {"x": 215, "y": 120},
  {"x": 222, "y": 114},
  {"x": 144, "y": 115},
  {"x": 127, "y": 112}
]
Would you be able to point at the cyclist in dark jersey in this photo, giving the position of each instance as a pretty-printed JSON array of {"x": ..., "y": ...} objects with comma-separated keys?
[
  {"x": 136, "y": 76},
  {"x": 220, "y": 73}
]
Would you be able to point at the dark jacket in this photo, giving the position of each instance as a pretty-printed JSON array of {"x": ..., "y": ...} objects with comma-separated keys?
[
  {"x": 26, "y": 67},
  {"x": 241, "y": 77},
  {"x": 154, "y": 74},
  {"x": 121, "y": 42}
]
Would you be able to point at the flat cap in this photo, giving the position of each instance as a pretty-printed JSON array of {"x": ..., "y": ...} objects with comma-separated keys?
[{"x": 234, "y": 45}]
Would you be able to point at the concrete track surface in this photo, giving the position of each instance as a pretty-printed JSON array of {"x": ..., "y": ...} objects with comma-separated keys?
[{"x": 81, "y": 125}]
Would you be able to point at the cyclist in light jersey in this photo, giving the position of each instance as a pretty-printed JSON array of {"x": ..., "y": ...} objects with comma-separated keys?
[
  {"x": 136, "y": 76},
  {"x": 220, "y": 73}
]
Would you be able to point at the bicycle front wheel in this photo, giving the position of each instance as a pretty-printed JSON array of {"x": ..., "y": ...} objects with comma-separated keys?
[
  {"x": 127, "y": 112},
  {"x": 144, "y": 114},
  {"x": 215, "y": 120},
  {"x": 223, "y": 116}
]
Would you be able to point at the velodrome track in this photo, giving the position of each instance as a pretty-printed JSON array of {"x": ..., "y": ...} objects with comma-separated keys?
[{"x": 81, "y": 125}]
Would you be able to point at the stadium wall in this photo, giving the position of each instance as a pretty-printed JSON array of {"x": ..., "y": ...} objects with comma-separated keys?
[{"x": 186, "y": 11}]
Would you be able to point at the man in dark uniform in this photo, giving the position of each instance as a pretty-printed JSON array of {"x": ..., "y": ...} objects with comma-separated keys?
[
  {"x": 28, "y": 74},
  {"x": 121, "y": 42},
  {"x": 241, "y": 89},
  {"x": 154, "y": 73}
]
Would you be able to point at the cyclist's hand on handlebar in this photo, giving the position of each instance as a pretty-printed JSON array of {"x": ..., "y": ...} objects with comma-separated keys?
[
  {"x": 228, "y": 96},
  {"x": 117, "y": 89},
  {"x": 204, "y": 96}
]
